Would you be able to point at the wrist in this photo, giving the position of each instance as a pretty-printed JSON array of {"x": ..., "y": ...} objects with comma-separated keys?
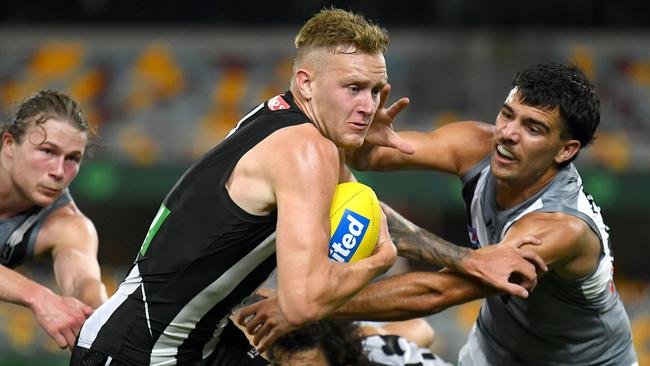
[
  {"x": 388, "y": 256},
  {"x": 467, "y": 262},
  {"x": 35, "y": 295}
]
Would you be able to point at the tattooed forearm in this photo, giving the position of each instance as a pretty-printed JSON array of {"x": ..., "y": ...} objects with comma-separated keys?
[{"x": 416, "y": 243}]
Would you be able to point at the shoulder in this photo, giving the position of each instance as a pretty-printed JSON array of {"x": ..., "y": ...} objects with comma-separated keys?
[
  {"x": 65, "y": 226},
  {"x": 302, "y": 146},
  {"x": 300, "y": 159},
  {"x": 302, "y": 136}
]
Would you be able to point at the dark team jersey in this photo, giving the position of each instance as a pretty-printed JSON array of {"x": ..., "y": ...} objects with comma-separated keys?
[
  {"x": 18, "y": 233},
  {"x": 202, "y": 256}
]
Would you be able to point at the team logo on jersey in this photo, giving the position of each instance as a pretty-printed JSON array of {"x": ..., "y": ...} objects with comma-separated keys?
[
  {"x": 277, "y": 103},
  {"x": 473, "y": 237},
  {"x": 348, "y": 235}
]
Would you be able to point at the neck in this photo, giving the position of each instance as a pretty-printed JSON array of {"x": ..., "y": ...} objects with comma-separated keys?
[
  {"x": 512, "y": 193},
  {"x": 306, "y": 108},
  {"x": 12, "y": 201}
]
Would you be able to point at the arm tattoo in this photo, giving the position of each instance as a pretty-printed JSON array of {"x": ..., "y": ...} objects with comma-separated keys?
[{"x": 416, "y": 243}]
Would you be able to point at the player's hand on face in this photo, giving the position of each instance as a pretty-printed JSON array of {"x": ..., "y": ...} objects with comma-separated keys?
[
  {"x": 507, "y": 267},
  {"x": 381, "y": 131},
  {"x": 61, "y": 317},
  {"x": 264, "y": 320}
]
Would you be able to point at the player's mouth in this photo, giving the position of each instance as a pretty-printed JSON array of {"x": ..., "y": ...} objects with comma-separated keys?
[
  {"x": 49, "y": 191},
  {"x": 358, "y": 126},
  {"x": 505, "y": 155}
]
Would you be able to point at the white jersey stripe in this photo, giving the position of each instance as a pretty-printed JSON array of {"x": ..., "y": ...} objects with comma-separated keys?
[
  {"x": 533, "y": 207},
  {"x": 477, "y": 218},
  {"x": 180, "y": 327},
  {"x": 244, "y": 118},
  {"x": 146, "y": 310},
  {"x": 90, "y": 329}
]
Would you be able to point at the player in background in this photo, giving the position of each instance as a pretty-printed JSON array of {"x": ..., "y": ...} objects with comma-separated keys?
[{"x": 42, "y": 149}]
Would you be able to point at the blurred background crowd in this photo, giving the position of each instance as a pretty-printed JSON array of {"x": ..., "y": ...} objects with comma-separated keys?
[{"x": 162, "y": 82}]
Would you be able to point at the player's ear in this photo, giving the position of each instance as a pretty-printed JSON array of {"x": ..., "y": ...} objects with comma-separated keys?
[
  {"x": 8, "y": 142},
  {"x": 568, "y": 150},
  {"x": 303, "y": 79}
]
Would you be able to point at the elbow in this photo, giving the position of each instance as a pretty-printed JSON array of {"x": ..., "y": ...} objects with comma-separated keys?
[
  {"x": 90, "y": 291},
  {"x": 298, "y": 319}
]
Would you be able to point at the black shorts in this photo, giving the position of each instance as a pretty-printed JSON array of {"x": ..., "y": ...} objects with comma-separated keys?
[
  {"x": 89, "y": 357},
  {"x": 233, "y": 350}
]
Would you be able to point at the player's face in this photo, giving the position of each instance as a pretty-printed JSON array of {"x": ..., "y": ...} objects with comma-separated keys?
[
  {"x": 346, "y": 95},
  {"x": 527, "y": 142},
  {"x": 46, "y": 160}
]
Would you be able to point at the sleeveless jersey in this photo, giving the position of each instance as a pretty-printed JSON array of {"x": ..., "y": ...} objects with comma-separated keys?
[
  {"x": 564, "y": 321},
  {"x": 18, "y": 233},
  {"x": 202, "y": 256}
]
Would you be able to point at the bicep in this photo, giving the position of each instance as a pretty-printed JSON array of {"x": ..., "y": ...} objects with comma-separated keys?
[
  {"x": 559, "y": 235},
  {"x": 304, "y": 186}
]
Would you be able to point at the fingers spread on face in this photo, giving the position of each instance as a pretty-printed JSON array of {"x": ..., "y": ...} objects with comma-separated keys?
[{"x": 384, "y": 96}]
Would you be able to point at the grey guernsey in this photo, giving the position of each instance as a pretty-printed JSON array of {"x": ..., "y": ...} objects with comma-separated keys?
[
  {"x": 564, "y": 321},
  {"x": 18, "y": 233}
]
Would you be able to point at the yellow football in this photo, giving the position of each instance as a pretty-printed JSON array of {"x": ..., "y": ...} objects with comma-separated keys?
[{"x": 355, "y": 217}]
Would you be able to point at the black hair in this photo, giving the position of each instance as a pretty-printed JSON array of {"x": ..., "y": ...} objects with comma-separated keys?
[
  {"x": 338, "y": 340},
  {"x": 564, "y": 86}
]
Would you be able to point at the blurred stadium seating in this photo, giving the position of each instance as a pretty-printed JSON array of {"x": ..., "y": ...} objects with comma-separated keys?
[{"x": 160, "y": 97}]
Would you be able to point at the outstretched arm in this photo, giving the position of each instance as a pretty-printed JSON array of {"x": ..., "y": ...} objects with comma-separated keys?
[
  {"x": 72, "y": 241},
  {"x": 454, "y": 148},
  {"x": 74, "y": 254},
  {"x": 60, "y": 316},
  {"x": 494, "y": 265},
  {"x": 412, "y": 295},
  {"x": 415, "y": 243},
  {"x": 401, "y": 297}
]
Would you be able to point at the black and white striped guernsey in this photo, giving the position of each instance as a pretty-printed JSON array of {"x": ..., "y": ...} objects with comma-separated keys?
[{"x": 202, "y": 256}]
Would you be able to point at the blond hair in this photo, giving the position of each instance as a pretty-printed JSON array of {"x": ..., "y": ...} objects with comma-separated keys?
[
  {"x": 339, "y": 31},
  {"x": 332, "y": 28}
]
